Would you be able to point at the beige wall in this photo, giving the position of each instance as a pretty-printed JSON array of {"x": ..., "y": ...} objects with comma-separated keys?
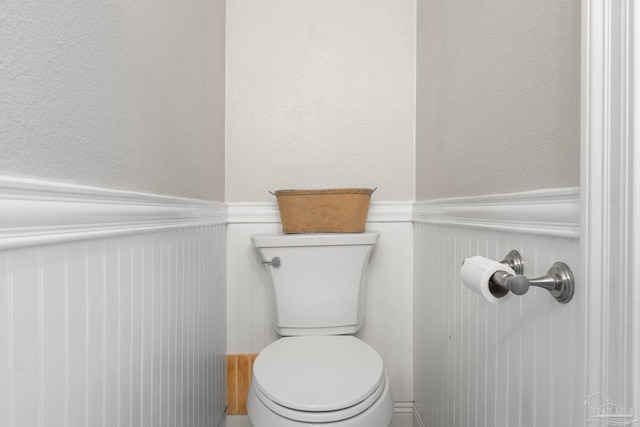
[
  {"x": 320, "y": 94},
  {"x": 118, "y": 94},
  {"x": 498, "y": 96}
]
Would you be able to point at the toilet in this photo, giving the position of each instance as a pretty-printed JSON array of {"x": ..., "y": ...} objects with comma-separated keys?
[{"x": 318, "y": 372}]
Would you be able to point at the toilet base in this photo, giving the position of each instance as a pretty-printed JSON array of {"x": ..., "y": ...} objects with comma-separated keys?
[{"x": 377, "y": 415}]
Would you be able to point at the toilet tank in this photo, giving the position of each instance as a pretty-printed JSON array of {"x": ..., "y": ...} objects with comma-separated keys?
[{"x": 319, "y": 286}]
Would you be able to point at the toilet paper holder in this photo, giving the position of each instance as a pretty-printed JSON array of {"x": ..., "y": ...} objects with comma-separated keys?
[{"x": 558, "y": 281}]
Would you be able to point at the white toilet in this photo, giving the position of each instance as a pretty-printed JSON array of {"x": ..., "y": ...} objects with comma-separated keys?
[{"x": 318, "y": 372}]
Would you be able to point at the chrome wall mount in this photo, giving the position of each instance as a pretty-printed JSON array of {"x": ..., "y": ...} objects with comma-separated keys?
[{"x": 558, "y": 281}]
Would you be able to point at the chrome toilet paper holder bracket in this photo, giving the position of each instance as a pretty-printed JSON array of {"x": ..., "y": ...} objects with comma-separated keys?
[{"x": 559, "y": 280}]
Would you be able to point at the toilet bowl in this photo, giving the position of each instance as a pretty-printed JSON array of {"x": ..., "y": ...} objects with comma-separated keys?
[
  {"x": 313, "y": 380},
  {"x": 318, "y": 372}
]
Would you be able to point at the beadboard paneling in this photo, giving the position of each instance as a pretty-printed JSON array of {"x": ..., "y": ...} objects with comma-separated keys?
[
  {"x": 389, "y": 316},
  {"x": 115, "y": 331},
  {"x": 515, "y": 364}
]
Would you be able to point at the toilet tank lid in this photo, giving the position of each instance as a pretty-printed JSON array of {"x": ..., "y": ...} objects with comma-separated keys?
[{"x": 275, "y": 240}]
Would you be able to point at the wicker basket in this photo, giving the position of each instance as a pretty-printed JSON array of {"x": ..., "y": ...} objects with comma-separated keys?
[{"x": 342, "y": 210}]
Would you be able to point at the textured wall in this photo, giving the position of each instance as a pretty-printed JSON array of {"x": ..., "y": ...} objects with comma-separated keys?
[
  {"x": 320, "y": 94},
  {"x": 498, "y": 96},
  {"x": 117, "y": 94}
]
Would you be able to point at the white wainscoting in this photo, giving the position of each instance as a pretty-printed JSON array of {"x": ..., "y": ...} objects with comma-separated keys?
[
  {"x": 124, "y": 326},
  {"x": 389, "y": 317},
  {"x": 520, "y": 363}
]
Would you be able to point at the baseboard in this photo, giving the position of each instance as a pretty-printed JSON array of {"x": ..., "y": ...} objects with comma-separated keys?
[
  {"x": 42, "y": 212},
  {"x": 403, "y": 408},
  {"x": 417, "y": 419},
  {"x": 404, "y": 415},
  {"x": 223, "y": 419}
]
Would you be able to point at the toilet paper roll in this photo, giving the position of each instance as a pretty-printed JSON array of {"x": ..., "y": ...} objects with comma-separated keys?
[{"x": 475, "y": 274}]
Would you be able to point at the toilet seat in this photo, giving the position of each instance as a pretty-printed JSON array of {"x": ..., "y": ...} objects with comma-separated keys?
[
  {"x": 322, "y": 416},
  {"x": 318, "y": 378}
]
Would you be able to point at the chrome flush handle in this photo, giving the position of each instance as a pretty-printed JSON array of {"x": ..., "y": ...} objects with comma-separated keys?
[{"x": 275, "y": 262}]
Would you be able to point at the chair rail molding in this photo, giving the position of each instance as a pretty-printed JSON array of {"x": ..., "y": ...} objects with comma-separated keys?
[
  {"x": 554, "y": 212},
  {"x": 267, "y": 212},
  {"x": 611, "y": 198},
  {"x": 34, "y": 212}
]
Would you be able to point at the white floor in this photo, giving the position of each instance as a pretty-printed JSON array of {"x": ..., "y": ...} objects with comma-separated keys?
[{"x": 399, "y": 420}]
